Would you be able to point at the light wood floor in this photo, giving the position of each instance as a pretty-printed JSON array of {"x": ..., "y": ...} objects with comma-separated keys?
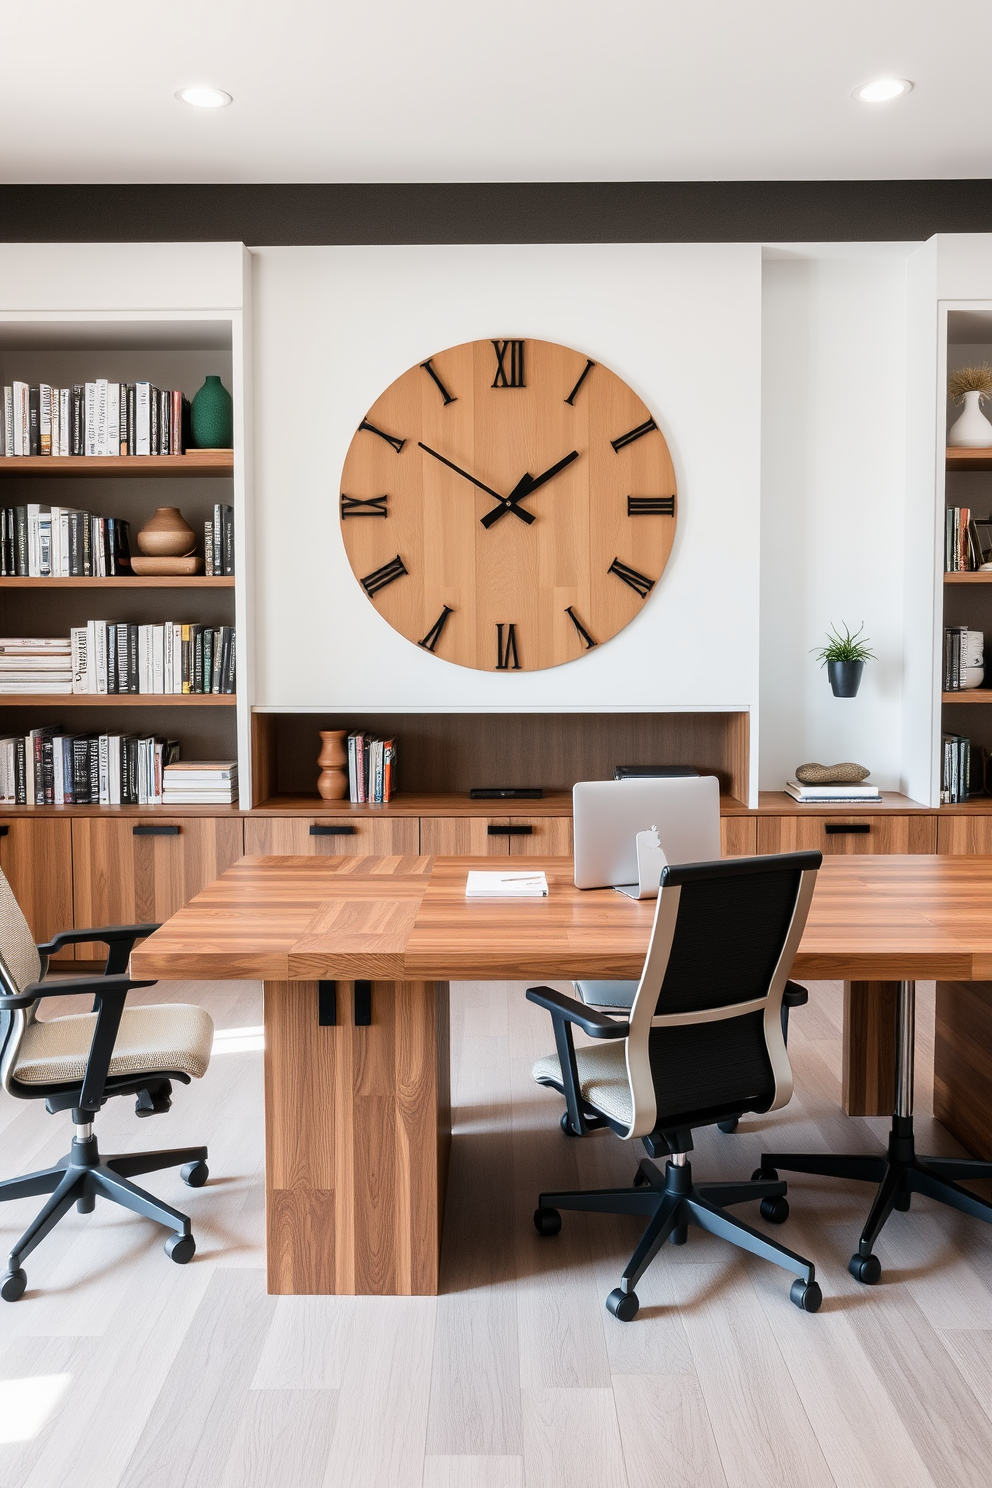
[{"x": 119, "y": 1369}]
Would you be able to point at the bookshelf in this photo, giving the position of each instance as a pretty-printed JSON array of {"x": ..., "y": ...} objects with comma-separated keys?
[{"x": 218, "y": 464}]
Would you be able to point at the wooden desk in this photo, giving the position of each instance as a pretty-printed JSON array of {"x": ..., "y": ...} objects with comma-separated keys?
[{"x": 357, "y": 1117}]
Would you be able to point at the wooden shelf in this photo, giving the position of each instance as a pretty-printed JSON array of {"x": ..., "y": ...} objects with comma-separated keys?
[
  {"x": 973, "y": 695},
  {"x": 8, "y": 809},
  {"x": 128, "y": 581},
  {"x": 977, "y": 577},
  {"x": 118, "y": 700},
  {"x": 131, "y": 467}
]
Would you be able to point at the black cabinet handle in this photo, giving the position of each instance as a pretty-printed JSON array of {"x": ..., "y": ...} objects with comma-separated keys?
[
  {"x": 363, "y": 1004},
  {"x": 516, "y": 830},
  {"x": 327, "y": 1004},
  {"x": 155, "y": 831},
  {"x": 336, "y": 829},
  {"x": 4, "y": 830},
  {"x": 842, "y": 829}
]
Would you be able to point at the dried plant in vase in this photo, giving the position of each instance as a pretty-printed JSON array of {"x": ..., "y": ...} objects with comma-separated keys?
[{"x": 972, "y": 385}]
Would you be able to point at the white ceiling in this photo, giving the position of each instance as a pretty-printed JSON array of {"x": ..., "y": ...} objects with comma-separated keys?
[{"x": 492, "y": 90}]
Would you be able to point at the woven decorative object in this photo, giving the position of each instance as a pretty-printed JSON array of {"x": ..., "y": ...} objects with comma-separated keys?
[{"x": 845, "y": 774}]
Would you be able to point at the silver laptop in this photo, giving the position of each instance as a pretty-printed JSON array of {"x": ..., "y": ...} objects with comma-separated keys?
[{"x": 608, "y": 814}]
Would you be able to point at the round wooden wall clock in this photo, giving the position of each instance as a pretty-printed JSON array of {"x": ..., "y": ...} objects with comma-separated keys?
[{"x": 508, "y": 505}]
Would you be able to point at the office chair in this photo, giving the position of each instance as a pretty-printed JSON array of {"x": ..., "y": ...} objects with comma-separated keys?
[
  {"x": 703, "y": 1044},
  {"x": 78, "y": 1062}
]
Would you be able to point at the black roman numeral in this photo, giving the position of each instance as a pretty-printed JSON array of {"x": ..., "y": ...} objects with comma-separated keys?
[
  {"x": 632, "y": 434},
  {"x": 503, "y": 653},
  {"x": 355, "y": 506},
  {"x": 373, "y": 582},
  {"x": 448, "y": 397},
  {"x": 650, "y": 506},
  {"x": 583, "y": 633},
  {"x": 582, "y": 377},
  {"x": 512, "y": 376},
  {"x": 389, "y": 438},
  {"x": 434, "y": 634},
  {"x": 639, "y": 582}
]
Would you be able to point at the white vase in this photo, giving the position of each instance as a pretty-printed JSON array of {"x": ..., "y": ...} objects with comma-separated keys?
[{"x": 972, "y": 430}]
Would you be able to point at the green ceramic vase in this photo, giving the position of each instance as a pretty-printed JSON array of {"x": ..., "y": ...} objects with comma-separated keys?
[{"x": 212, "y": 417}]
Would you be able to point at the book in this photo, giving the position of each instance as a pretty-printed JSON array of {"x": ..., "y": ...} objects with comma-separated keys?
[
  {"x": 480, "y": 885},
  {"x": 840, "y": 792}
]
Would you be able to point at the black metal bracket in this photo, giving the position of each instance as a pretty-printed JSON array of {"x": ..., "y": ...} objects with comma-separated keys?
[
  {"x": 155, "y": 831},
  {"x": 363, "y": 1004},
  {"x": 327, "y": 1004},
  {"x": 333, "y": 829},
  {"x": 514, "y": 830},
  {"x": 842, "y": 829}
]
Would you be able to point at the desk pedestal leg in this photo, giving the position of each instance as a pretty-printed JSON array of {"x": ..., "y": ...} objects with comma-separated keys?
[
  {"x": 357, "y": 1131},
  {"x": 962, "y": 1063},
  {"x": 869, "y": 1047}
]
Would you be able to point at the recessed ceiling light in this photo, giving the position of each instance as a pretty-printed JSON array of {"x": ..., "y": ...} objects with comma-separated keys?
[
  {"x": 202, "y": 97},
  {"x": 882, "y": 90}
]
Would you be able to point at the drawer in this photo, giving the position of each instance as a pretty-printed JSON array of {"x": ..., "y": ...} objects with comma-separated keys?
[
  {"x": 848, "y": 834},
  {"x": 333, "y": 836},
  {"x": 36, "y": 857},
  {"x": 738, "y": 836},
  {"x": 496, "y": 836},
  {"x": 964, "y": 834}
]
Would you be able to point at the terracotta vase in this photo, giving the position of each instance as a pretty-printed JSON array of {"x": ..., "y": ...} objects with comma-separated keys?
[
  {"x": 167, "y": 534},
  {"x": 332, "y": 782}
]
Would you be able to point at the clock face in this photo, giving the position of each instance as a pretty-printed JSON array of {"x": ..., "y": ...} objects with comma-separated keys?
[{"x": 508, "y": 505}]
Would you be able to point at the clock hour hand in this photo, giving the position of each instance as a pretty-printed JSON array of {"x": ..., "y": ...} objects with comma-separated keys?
[
  {"x": 524, "y": 516},
  {"x": 523, "y": 488}
]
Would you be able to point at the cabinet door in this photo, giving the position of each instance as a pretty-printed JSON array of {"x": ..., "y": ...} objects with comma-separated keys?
[
  {"x": 834, "y": 834},
  {"x": 738, "y": 836},
  {"x": 496, "y": 837},
  {"x": 964, "y": 834},
  {"x": 129, "y": 870},
  {"x": 36, "y": 857},
  {"x": 332, "y": 836}
]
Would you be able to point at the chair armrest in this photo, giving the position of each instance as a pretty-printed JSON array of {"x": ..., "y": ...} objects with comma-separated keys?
[
  {"x": 107, "y": 933},
  {"x": 794, "y": 995},
  {"x": 71, "y": 987},
  {"x": 592, "y": 1022}
]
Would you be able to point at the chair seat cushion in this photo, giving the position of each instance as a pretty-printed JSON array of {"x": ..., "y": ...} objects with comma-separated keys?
[
  {"x": 150, "y": 1040},
  {"x": 602, "y": 1078},
  {"x": 606, "y": 994}
]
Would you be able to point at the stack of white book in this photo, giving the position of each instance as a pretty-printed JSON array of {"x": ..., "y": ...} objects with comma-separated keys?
[
  {"x": 825, "y": 794},
  {"x": 506, "y": 886},
  {"x": 35, "y": 665},
  {"x": 201, "y": 783}
]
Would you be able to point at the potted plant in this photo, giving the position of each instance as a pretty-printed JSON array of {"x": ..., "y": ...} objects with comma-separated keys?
[
  {"x": 844, "y": 657},
  {"x": 970, "y": 385}
]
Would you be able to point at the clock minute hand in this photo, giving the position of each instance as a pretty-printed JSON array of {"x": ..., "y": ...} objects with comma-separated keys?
[
  {"x": 524, "y": 516},
  {"x": 523, "y": 488}
]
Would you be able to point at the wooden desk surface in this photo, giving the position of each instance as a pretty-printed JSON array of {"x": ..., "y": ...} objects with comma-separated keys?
[{"x": 300, "y": 918}]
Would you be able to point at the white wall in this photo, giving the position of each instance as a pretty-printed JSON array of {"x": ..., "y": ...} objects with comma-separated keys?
[
  {"x": 832, "y": 507},
  {"x": 334, "y": 326}
]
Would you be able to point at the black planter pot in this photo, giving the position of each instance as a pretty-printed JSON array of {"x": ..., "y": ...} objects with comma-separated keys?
[{"x": 845, "y": 677}]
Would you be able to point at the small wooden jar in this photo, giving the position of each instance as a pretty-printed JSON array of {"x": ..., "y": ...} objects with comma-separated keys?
[{"x": 332, "y": 782}]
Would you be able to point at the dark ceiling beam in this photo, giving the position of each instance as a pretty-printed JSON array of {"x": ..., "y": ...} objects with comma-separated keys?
[{"x": 552, "y": 212}]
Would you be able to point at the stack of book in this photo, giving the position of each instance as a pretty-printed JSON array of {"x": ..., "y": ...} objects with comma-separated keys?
[
  {"x": 964, "y": 658},
  {"x": 960, "y": 550},
  {"x": 371, "y": 769},
  {"x": 49, "y": 767},
  {"x": 94, "y": 418},
  {"x": 35, "y": 665},
  {"x": 218, "y": 542},
  {"x": 955, "y": 780},
  {"x": 201, "y": 783},
  {"x": 826, "y": 794},
  {"x": 58, "y": 542},
  {"x": 170, "y": 658}
]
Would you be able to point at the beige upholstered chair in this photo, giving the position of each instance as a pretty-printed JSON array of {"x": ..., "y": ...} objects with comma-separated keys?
[
  {"x": 701, "y": 1044},
  {"x": 77, "y": 1062}
]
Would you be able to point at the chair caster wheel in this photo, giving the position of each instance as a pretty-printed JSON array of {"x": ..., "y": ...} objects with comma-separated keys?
[
  {"x": 180, "y": 1248},
  {"x": 866, "y": 1269},
  {"x": 764, "y": 1175},
  {"x": 13, "y": 1284},
  {"x": 194, "y": 1174},
  {"x": 728, "y": 1126},
  {"x": 776, "y": 1211},
  {"x": 547, "y": 1221},
  {"x": 623, "y": 1305},
  {"x": 903, "y": 1202},
  {"x": 567, "y": 1126},
  {"x": 806, "y": 1295}
]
